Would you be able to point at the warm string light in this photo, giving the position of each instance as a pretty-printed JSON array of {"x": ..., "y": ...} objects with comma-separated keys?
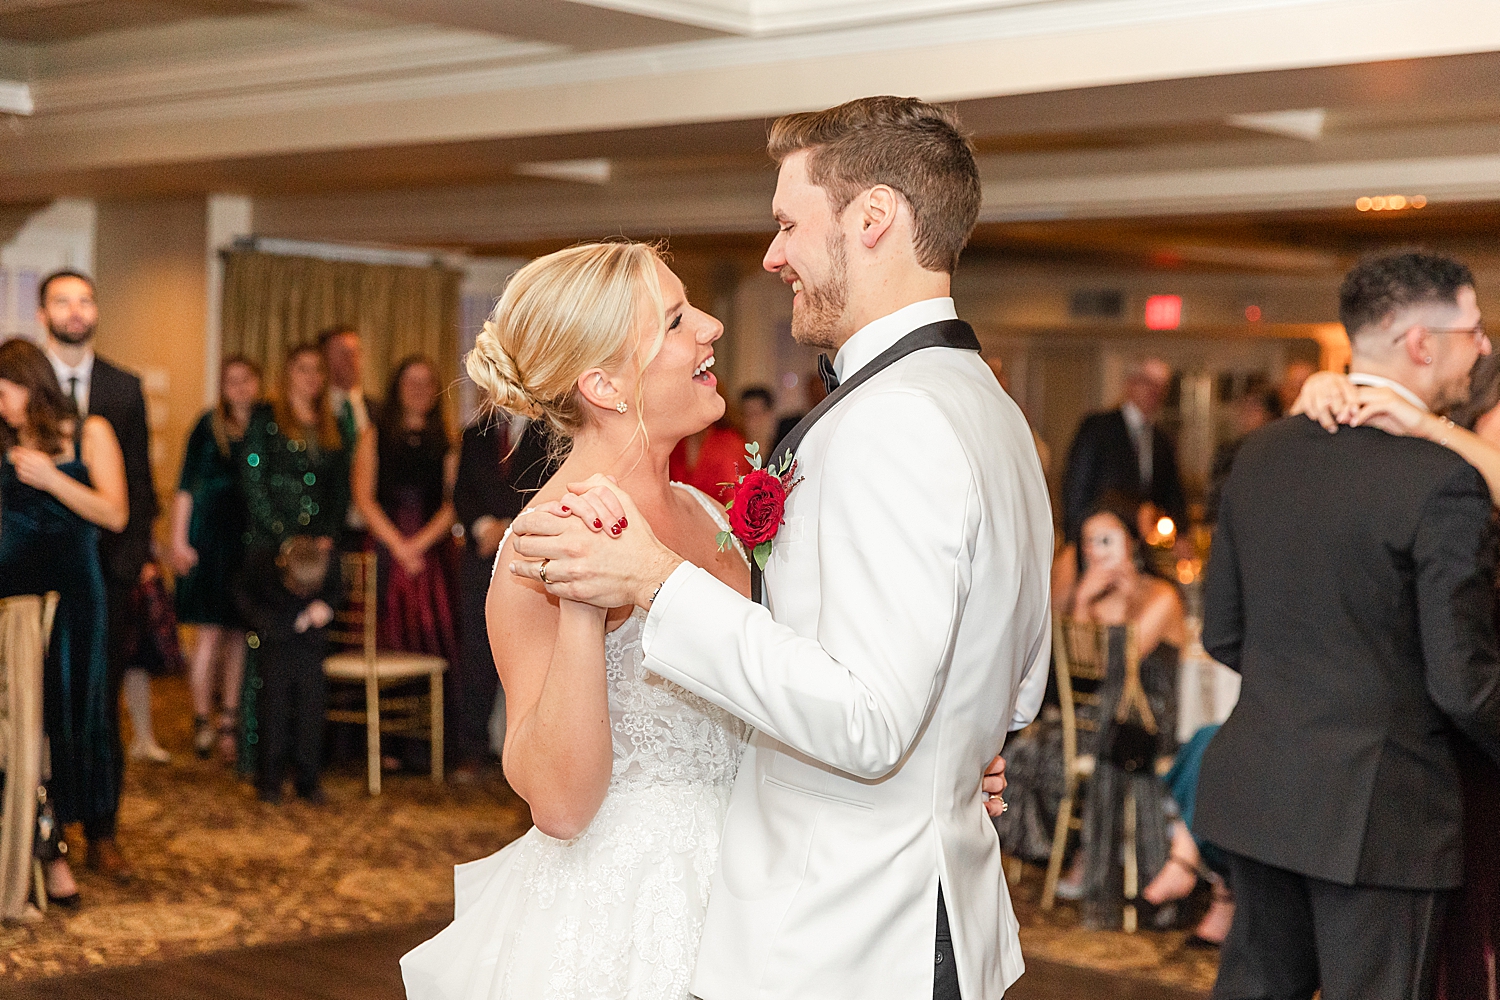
[{"x": 1390, "y": 202}]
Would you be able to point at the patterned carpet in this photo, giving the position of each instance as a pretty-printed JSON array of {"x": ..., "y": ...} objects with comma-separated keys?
[{"x": 217, "y": 869}]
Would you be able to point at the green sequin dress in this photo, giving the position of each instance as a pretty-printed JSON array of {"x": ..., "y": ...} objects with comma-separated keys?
[{"x": 291, "y": 487}]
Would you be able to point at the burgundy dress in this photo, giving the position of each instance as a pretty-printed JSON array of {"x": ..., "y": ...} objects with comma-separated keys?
[{"x": 416, "y": 612}]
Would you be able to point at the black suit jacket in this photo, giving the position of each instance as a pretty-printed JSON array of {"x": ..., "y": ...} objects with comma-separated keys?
[
  {"x": 487, "y": 483},
  {"x": 1103, "y": 458},
  {"x": 1352, "y": 585},
  {"x": 115, "y": 395}
]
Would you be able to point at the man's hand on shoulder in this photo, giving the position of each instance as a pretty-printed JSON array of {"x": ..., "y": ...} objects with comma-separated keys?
[{"x": 592, "y": 546}]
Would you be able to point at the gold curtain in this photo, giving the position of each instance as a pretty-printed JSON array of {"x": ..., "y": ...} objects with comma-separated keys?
[
  {"x": 273, "y": 302},
  {"x": 25, "y": 626}
]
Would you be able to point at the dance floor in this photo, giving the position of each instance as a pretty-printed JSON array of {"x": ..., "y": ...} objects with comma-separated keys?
[{"x": 234, "y": 898}]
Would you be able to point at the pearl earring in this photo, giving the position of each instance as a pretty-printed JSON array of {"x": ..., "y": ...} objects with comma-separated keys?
[{"x": 620, "y": 407}]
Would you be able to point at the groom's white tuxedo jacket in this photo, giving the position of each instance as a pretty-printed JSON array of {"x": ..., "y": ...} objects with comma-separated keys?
[{"x": 907, "y": 631}]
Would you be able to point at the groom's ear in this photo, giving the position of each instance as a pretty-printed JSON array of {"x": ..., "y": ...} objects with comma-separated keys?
[{"x": 878, "y": 208}]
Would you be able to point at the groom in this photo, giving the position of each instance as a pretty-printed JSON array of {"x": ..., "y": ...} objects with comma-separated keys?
[{"x": 905, "y": 620}]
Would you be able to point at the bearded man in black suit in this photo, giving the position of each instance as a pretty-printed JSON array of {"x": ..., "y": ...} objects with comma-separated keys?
[
  {"x": 1352, "y": 585},
  {"x": 68, "y": 310}
]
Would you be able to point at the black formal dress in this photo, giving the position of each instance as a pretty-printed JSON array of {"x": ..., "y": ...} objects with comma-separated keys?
[
  {"x": 1351, "y": 585},
  {"x": 494, "y": 480},
  {"x": 211, "y": 476},
  {"x": 1103, "y": 458},
  {"x": 115, "y": 395}
]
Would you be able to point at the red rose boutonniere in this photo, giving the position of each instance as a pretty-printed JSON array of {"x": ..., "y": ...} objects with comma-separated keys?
[{"x": 758, "y": 503}]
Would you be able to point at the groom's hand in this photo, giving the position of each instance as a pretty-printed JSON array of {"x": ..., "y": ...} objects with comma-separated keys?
[{"x": 561, "y": 548}]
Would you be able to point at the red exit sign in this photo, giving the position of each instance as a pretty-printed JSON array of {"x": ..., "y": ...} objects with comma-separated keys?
[{"x": 1163, "y": 312}]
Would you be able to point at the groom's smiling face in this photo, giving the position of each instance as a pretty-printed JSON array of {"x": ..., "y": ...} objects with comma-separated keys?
[{"x": 809, "y": 254}]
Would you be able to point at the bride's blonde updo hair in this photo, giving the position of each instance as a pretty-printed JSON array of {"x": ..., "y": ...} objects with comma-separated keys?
[{"x": 560, "y": 316}]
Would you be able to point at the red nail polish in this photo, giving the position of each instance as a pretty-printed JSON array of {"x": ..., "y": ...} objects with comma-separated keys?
[
  {"x": 566, "y": 509},
  {"x": 598, "y": 523},
  {"x": 614, "y": 530},
  {"x": 623, "y": 524}
]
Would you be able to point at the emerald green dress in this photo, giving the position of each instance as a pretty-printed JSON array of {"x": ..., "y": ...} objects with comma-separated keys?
[{"x": 216, "y": 529}]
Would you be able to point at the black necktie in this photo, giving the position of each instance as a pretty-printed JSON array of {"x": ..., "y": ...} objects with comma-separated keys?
[
  {"x": 73, "y": 393},
  {"x": 827, "y": 374}
]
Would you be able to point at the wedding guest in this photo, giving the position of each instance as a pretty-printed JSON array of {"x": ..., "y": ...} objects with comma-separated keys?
[
  {"x": 288, "y": 599},
  {"x": 70, "y": 315},
  {"x": 153, "y": 650},
  {"x": 502, "y": 461},
  {"x": 1385, "y": 545},
  {"x": 1471, "y": 933},
  {"x": 404, "y": 468},
  {"x": 295, "y": 478},
  {"x": 1115, "y": 588},
  {"x": 208, "y": 527},
  {"x": 1123, "y": 449},
  {"x": 758, "y": 418},
  {"x": 344, "y": 361},
  {"x": 711, "y": 460},
  {"x": 62, "y": 481}
]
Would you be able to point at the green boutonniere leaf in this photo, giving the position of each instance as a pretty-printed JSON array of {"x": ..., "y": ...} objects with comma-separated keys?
[
  {"x": 761, "y": 554},
  {"x": 723, "y": 538}
]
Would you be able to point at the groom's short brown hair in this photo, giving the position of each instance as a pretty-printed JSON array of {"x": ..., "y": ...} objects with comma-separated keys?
[{"x": 914, "y": 147}]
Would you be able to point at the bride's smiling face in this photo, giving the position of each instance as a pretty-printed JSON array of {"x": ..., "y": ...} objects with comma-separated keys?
[{"x": 679, "y": 392}]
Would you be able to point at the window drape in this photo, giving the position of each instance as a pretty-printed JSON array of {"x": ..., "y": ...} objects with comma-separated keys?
[{"x": 274, "y": 302}]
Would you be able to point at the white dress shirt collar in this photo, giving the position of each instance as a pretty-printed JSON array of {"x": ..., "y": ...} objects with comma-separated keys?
[
  {"x": 83, "y": 372},
  {"x": 1365, "y": 378},
  {"x": 876, "y": 336}
]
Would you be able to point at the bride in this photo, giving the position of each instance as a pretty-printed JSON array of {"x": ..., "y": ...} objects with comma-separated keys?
[{"x": 628, "y": 776}]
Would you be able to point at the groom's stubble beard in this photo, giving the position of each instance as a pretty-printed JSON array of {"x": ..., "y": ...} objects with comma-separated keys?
[{"x": 817, "y": 321}]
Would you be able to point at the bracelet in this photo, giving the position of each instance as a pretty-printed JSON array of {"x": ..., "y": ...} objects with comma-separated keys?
[{"x": 1447, "y": 429}]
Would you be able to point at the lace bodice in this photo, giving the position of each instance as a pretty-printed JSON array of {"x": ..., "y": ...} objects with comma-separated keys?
[{"x": 663, "y": 734}]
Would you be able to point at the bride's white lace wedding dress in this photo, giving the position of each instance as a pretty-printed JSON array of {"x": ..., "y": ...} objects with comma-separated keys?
[{"x": 617, "y": 911}]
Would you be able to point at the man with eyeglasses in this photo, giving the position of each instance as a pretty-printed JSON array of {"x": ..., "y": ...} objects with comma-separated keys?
[{"x": 1351, "y": 584}]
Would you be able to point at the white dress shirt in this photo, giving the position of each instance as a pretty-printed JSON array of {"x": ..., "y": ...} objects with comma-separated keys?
[
  {"x": 83, "y": 372},
  {"x": 878, "y": 336},
  {"x": 1364, "y": 378}
]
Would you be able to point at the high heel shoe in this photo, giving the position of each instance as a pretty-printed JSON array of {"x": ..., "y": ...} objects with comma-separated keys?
[{"x": 203, "y": 736}]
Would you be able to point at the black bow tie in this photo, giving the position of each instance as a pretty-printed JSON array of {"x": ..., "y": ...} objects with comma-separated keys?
[{"x": 827, "y": 374}]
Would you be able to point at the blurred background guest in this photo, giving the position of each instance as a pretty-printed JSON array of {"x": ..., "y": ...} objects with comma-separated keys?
[
  {"x": 502, "y": 460},
  {"x": 711, "y": 460},
  {"x": 404, "y": 468},
  {"x": 344, "y": 363},
  {"x": 208, "y": 526},
  {"x": 62, "y": 479},
  {"x": 1123, "y": 450},
  {"x": 1252, "y": 411},
  {"x": 70, "y": 315},
  {"x": 1109, "y": 585},
  {"x": 295, "y": 478},
  {"x": 758, "y": 418},
  {"x": 1293, "y": 376}
]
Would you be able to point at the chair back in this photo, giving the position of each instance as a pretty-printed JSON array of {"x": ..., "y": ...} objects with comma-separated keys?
[
  {"x": 1080, "y": 650},
  {"x": 25, "y": 633},
  {"x": 354, "y": 622}
]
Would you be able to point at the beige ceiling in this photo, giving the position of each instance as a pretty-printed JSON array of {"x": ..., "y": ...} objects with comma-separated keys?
[{"x": 44, "y": 21}]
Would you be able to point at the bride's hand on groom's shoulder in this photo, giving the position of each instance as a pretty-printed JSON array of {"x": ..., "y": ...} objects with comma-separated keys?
[{"x": 592, "y": 546}]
